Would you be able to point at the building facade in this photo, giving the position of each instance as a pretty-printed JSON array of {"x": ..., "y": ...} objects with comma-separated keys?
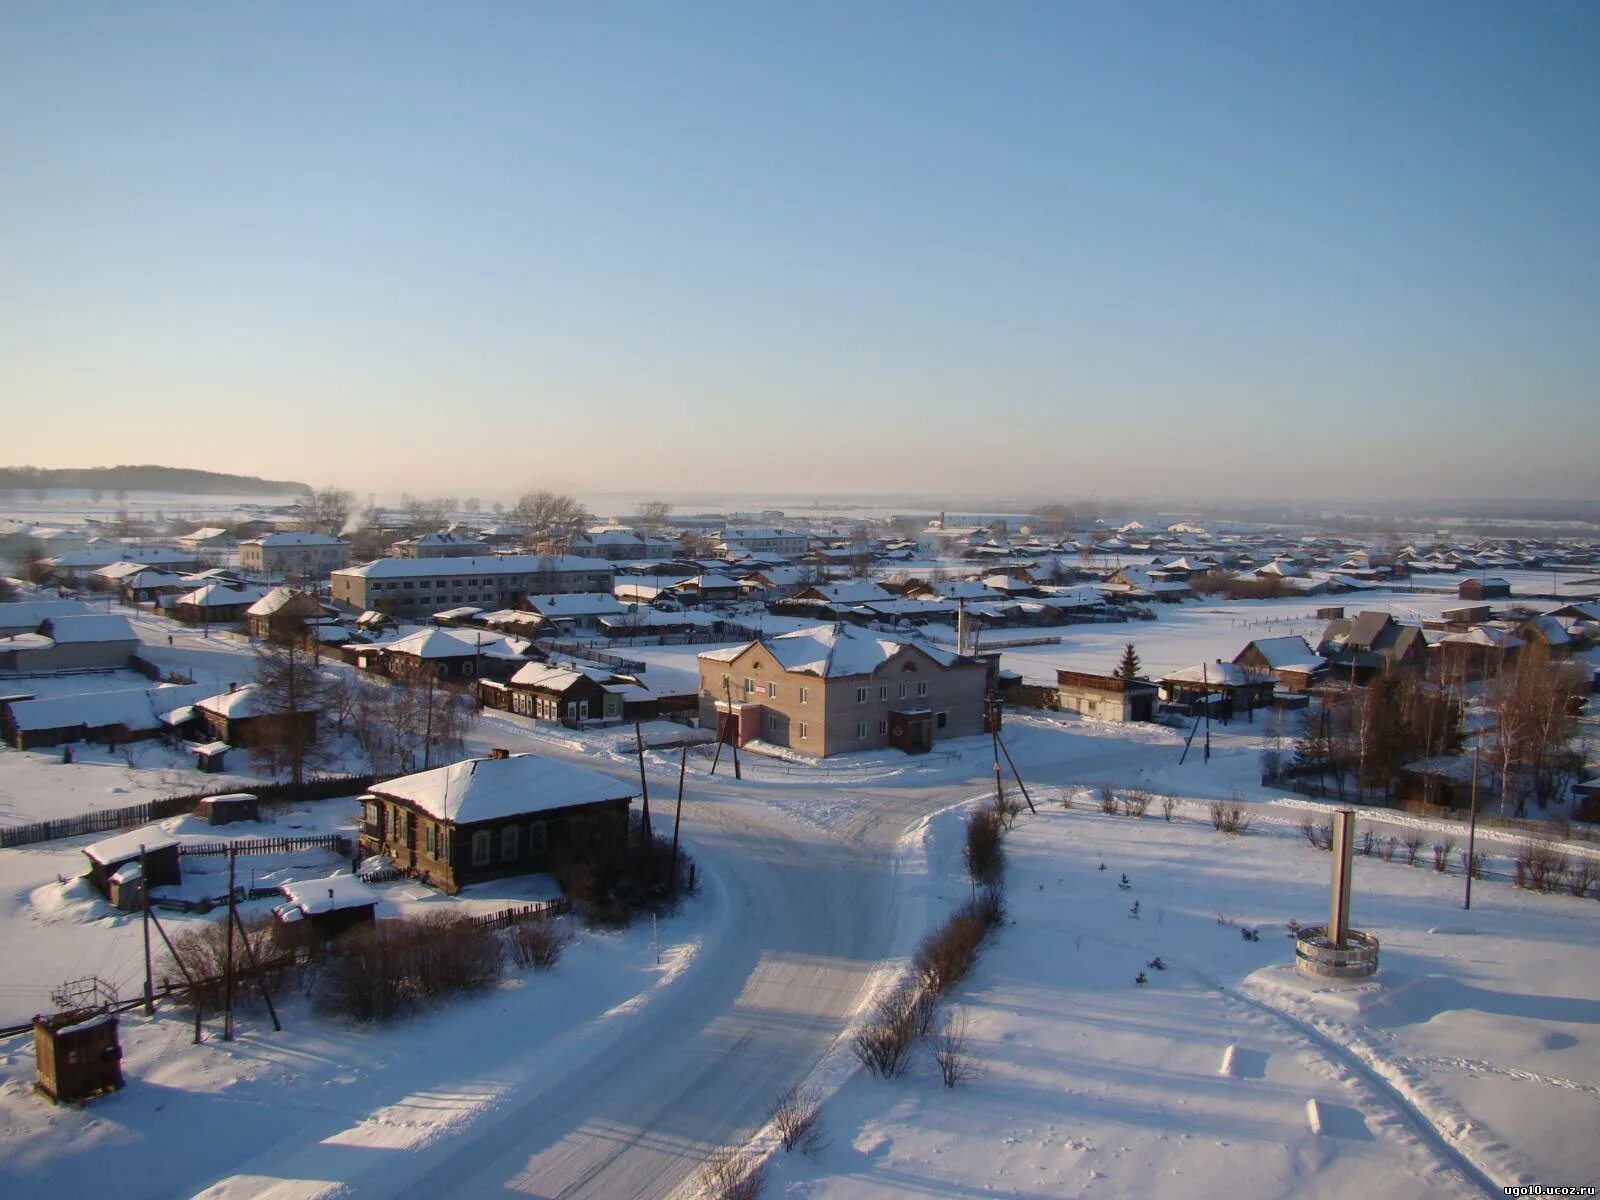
[
  {"x": 403, "y": 587},
  {"x": 306, "y": 555}
]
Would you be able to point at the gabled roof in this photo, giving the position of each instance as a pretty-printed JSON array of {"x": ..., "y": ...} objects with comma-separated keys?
[
  {"x": 280, "y": 599},
  {"x": 1220, "y": 673},
  {"x": 28, "y": 614},
  {"x": 487, "y": 789},
  {"x": 328, "y": 895},
  {"x": 433, "y": 643},
  {"x": 136, "y": 708},
  {"x": 220, "y": 595},
  {"x": 837, "y": 651},
  {"x": 296, "y": 539},
  {"x": 110, "y": 851},
  {"x": 1286, "y": 653},
  {"x": 92, "y": 627}
]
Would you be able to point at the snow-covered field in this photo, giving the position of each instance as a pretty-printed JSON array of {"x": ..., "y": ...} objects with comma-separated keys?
[{"x": 1473, "y": 1058}]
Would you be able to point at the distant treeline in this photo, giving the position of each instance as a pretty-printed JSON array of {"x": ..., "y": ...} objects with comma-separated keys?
[{"x": 186, "y": 480}]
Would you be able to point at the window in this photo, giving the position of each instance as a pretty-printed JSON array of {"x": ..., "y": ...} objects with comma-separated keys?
[
  {"x": 510, "y": 843},
  {"x": 861, "y": 729},
  {"x": 481, "y": 848},
  {"x": 922, "y": 688},
  {"x": 942, "y": 720},
  {"x": 538, "y": 837},
  {"x": 804, "y": 732},
  {"x": 861, "y": 695},
  {"x": 772, "y": 723},
  {"x": 370, "y": 812},
  {"x": 883, "y": 728},
  {"x": 805, "y": 695},
  {"x": 883, "y": 691},
  {"x": 430, "y": 840},
  {"x": 902, "y": 691},
  {"x": 772, "y": 691},
  {"x": 749, "y": 685}
]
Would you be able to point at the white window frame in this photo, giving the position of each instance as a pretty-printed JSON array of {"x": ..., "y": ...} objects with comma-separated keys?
[
  {"x": 805, "y": 695},
  {"x": 922, "y": 687},
  {"x": 861, "y": 731},
  {"x": 861, "y": 695},
  {"x": 805, "y": 731}
]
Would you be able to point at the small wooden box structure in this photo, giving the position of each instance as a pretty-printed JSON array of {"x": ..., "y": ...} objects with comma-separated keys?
[
  {"x": 226, "y": 809},
  {"x": 911, "y": 729},
  {"x": 77, "y": 1055},
  {"x": 319, "y": 910},
  {"x": 210, "y": 757}
]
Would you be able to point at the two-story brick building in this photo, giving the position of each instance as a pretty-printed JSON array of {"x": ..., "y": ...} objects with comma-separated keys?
[
  {"x": 303, "y": 555},
  {"x": 837, "y": 688}
]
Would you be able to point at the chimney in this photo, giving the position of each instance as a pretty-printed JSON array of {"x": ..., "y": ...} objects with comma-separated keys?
[{"x": 497, "y": 752}]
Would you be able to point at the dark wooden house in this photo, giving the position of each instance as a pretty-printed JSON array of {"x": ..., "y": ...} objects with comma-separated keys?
[
  {"x": 570, "y": 695},
  {"x": 1483, "y": 588},
  {"x": 281, "y": 615},
  {"x": 1296, "y": 665},
  {"x": 242, "y": 718},
  {"x": 317, "y": 911},
  {"x": 1227, "y": 688},
  {"x": 487, "y": 818}
]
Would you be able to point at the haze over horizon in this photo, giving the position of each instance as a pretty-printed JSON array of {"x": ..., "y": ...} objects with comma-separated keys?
[{"x": 1243, "y": 252}]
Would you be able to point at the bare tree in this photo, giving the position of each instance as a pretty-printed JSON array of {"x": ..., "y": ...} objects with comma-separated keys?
[
  {"x": 949, "y": 1045},
  {"x": 412, "y": 723},
  {"x": 651, "y": 516},
  {"x": 329, "y": 509},
  {"x": 549, "y": 519},
  {"x": 290, "y": 686},
  {"x": 1533, "y": 703}
]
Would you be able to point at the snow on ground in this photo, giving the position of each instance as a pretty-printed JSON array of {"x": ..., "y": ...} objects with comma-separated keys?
[
  {"x": 1475, "y": 1053},
  {"x": 35, "y": 785}
]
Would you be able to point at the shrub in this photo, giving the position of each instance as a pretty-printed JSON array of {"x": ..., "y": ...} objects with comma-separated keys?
[
  {"x": 1006, "y": 808},
  {"x": 1539, "y": 867},
  {"x": 203, "y": 952},
  {"x": 1473, "y": 864},
  {"x": 1387, "y": 853},
  {"x": 1441, "y": 854},
  {"x": 537, "y": 943},
  {"x": 883, "y": 1044},
  {"x": 375, "y": 974},
  {"x": 1582, "y": 875},
  {"x": 1318, "y": 833},
  {"x": 949, "y": 1044},
  {"x": 988, "y": 906},
  {"x": 949, "y": 953},
  {"x": 1169, "y": 805},
  {"x": 797, "y": 1117},
  {"x": 731, "y": 1173},
  {"x": 1066, "y": 799},
  {"x": 1107, "y": 795},
  {"x": 1228, "y": 816},
  {"x": 1413, "y": 845},
  {"x": 1135, "y": 803},
  {"x": 984, "y": 854}
]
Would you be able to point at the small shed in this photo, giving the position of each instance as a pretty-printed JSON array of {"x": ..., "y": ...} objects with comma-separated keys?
[
  {"x": 209, "y": 759},
  {"x": 76, "y": 1055},
  {"x": 231, "y": 807},
  {"x": 160, "y": 850},
  {"x": 319, "y": 910}
]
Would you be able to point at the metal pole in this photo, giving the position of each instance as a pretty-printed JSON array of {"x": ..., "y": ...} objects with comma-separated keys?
[
  {"x": 144, "y": 895},
  {"x": 227, "y": 1019},
  {"x": 1472, "y": 827},
  {"x": 644, "y": 784},
  {"x": 677, "y": 819}
]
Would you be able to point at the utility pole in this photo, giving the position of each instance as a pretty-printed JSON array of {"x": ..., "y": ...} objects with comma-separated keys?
[
  {"x": 727, "y": 690},
  {"x": 227, "y": 1019},
  {"x": 1472, "y": 827},
  {"x": 1205, "y": 682},
  {"x": 677, "y": 819},
  {"x": 144, "y": 896},
  {"x": 644, "y": 784}
]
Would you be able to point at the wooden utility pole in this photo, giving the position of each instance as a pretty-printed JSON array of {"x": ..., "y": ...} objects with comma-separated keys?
[
  {"x": 144, "y": 896},
  {"x": 1016, "y": 774},
  {"x": 255, "y": 969},
  {"x": 194, "y": 991},
  {"x": 227, "y": 1018},
  {"x": 727, "y": 690},
  {"x": 677, "y": 819},
  {"x": 1472, "y": 826},
  {"x": 1205, "y": 683},
  {"x": 644, "y": 784}
]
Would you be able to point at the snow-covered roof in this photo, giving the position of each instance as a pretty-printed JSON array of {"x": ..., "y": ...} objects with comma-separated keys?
[
  {"x": 296, "y": 539},
  {"x": 487, "y": 789},
  {"x": 1287, "y": 653},
  {"x": 118, "y": 571},
  {"x": 836, "y": 651},
  {"x": 853, "y": 591},
  {"x": 576, "y": 604},
  {"x": 704, "y": 583},
  {"x": 27, "y": 614},
  {"x": 550, "y": 678},
  {"x": 276, "y": 600},
  {"x": 123, "y": 846},
  {"x": 152, "y": 578},
  {"x": 222, "y": 595},
  {"x": 135, "y": 708},
  {"x": 247, "y": 701},
  {"x": 328, "y": 895},
  {"x": 1220, "y": 673},
  {"x": 94, "y": 627},
  {"x": 496, "y": 564}
]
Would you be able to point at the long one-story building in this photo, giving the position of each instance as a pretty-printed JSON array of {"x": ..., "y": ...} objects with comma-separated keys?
[
  {"x": 405, "y": 587},
  {"x": 1106, "y": 697},
  {"x": 487, "y": 818}
]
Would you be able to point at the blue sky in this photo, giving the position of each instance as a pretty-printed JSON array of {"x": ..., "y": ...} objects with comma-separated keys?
[{"x": 1205, "y": 250}]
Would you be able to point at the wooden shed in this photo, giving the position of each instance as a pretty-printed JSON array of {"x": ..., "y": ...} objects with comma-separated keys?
[
  {"x": 77, "y": 1055},
  {"x": 160, "y": 851},
  {"x": 319, "y": 910},
  {"x": 231, "y": 807}
]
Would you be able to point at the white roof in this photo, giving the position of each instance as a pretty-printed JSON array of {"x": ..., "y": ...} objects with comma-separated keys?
[
  {"x": 443, "y": 643},
  {"x": 576, "y": 604},
  {"x": 496, "y": 564},
  {"x": 549, "y": 678},
  {"x": 328, "y": 895},
  {"x": 486, "y": 789},
  {"x": 858, "y": 591},
  {"x": 221, "y": 595},
  {"x": 296, "y": 539},
  {"x": 274, "y": 600},
  {"x": 121, "y": 570},
  {"x": 124, "y": 846},
  {"x": 136, "y": 708},
  {"x": 95, "y": 627},
  {"x": 246, "y": 701},
  {"x": 835, "y": 651},
  {"x": 1221, "y": 673},
  {"x": 1287, "y": 652},
  {"x": 26, "y": 614}
]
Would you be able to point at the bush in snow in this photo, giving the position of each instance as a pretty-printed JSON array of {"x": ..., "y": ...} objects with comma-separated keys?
[
  {"x": 949, "y": 953},
  {"x": 202, "y": 951},
  {"x": 985, "y": 856},
  {"x": 1228, "y": 816},
  {"x": 1169, "y": 805},
  {"x": 1135, "y": 803},
  {"x": 377, "y": 973},
  {"x": 1107, "y": 795},
  {"x": 1581, "y": 876},
  {"x": 1539, "y": 867},
  {"x": 731, "y": 1173},
  {"x": 1066, "y": 799},
  {"x": 1472, "y": 864},
  {"x": 537, "y": 943},
  {"x": 948, "y": 1042},
  {"x": 1413, "y": 845},
  {"x": 1318, "y": 833},
  {"x": 1441, "y": 854},
  {"x": 883, "y": 1044},
  {"x": 1007, "y": 808},
  {"x": 1387, "y": 853},
  {"x": 1368, "y": 840},
  {"x": 797, "y": 1117}
]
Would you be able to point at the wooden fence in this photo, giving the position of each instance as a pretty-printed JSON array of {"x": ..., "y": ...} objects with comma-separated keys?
[
  {"x": 134, "y": 815},
  {"x": 507, "y": 917},
  {"x": 339, "y": 842}
]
